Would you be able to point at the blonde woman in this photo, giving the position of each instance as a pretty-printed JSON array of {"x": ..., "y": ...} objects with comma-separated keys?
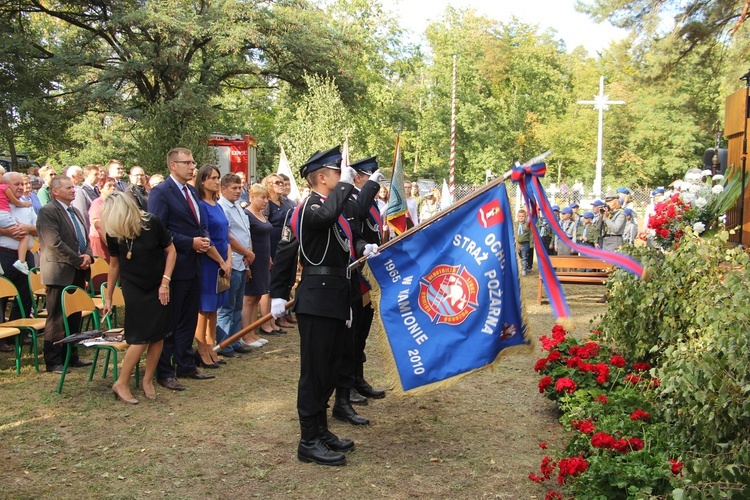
[
  {"x": 258, "y": 283},
  {"x": 279, "y": 209},
  {"x": 142, "y": 258},
  {"x": 430, "y": 204}
]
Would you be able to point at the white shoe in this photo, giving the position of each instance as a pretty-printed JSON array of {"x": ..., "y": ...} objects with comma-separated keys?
[
  {"x": 262, "y": 341},
  {"x": 252, "y": 345},
  {"x": 21, "y": 266}
]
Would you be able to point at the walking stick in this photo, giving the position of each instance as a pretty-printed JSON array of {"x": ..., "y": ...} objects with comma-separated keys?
[{"x": 234, "y": 338}]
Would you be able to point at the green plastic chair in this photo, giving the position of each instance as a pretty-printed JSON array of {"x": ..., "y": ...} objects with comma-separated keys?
[
  {"x": 76, "y": 300},
  {"x": 32, "y": 325}
]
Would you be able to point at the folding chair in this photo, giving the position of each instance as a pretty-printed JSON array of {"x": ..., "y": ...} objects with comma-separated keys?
[
  {"x": 33, "y": 325},
  {"x": 14, "y": 332},
  {"x": 76, "y": 300},
  {"x": 99, "y": 270},
  {"x": 38, "y": 292}
]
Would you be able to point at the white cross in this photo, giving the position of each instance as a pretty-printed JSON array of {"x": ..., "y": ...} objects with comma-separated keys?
[{"x": 600, "y": 102}]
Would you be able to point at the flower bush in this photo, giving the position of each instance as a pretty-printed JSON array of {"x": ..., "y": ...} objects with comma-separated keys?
[
  {"x": 696, "y": 205},
  {"x": 690, "y": 321},
  {"x": 619, "y": 444}
]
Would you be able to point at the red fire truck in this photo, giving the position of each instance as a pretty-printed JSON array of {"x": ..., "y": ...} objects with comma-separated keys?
[{"x": 236, "y": 154}]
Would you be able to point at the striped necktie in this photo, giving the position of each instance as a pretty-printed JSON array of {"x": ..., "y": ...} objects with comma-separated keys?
[{"x": 79, "y": 231}]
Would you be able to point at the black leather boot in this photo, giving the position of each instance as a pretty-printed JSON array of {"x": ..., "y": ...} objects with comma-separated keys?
[
  {"x": 312, "y": 449},
  {"x": 331, "y": 439},
  {"x": 343, "y": 410},
  {"x": 365, "y": 388},
  {"x": 356, "y": 398}
]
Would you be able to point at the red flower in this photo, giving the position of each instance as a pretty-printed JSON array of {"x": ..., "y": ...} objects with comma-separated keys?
[
  {"x": 676, "y": 466},
  {"x": 632, "y": 378},
  {"x": 573, "y": 362},
  {"x": 641, "y": 367},
  {"x": 635, "y": 443},
  {"x": 571, "y": 466},
  {"x": 544, "y": 383},
  {"x": 554, "y": 356},
  {"x": 589, "y": 350},
  {"x": 639, "y": 415},
  {"x": 540, "y": 365},
  {"x": 664, "y": 233},
  {"x": 536, "y": 478},
  {"x": 602, "y": 372},
  {"x": 543, "y": 445},
  {"x": 617, "y": 361},
  {"x": 585, "y": 426},
  {"x": 603, "y": 399},
  {"x": 621, "y": 445},
  {"x": 654, "y": 382},
  {"x": 566, "y": 384},
  {"x": 552, "y": 495},
  {"x": 603, "y": 440},
  {"x": 547, "y": 467}
]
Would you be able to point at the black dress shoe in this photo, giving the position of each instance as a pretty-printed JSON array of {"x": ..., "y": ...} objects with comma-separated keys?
[
  {"x": 356, "y": 398},
  {"x": 170, "y": 383},
  {"x": 241, "y": 349},
  {"x": 195, "y": 374},
  {"x": 79, "y": 363},
  {"x": 55, "y": 369},
  {"x": 368, "y": 391}
]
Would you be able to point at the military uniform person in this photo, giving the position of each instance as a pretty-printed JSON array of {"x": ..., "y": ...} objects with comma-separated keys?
[
  {"x": 613, "y": 223},
  {"x": 569, "y": 228},
  {"x": 366, "y": 187},
  {"x": 322, "y": 299}
]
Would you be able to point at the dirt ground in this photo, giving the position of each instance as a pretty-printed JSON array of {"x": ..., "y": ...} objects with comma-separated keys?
[{"x": 236, "y": 436}]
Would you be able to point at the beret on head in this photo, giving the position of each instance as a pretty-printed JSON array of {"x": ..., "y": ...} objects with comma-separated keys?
[
  {"x": 588, "y": 215},
  {"x": 330, "y": 158}
]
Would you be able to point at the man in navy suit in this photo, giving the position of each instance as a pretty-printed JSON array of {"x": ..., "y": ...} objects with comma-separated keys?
[{"x": 175, "y": 202}]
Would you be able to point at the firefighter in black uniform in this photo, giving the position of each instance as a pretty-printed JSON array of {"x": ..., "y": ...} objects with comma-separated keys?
[
  {"x": 366, "y": 187},
  {"x": 322, "y": 302}
]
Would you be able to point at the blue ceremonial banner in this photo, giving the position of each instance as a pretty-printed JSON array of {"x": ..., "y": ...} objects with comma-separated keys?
[{"x": 450, "y": 300}]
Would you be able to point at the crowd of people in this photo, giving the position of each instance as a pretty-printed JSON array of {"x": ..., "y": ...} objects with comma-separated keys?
[
  {"x": 199, "y": 257},
  {"x": 607, "y": 225}
]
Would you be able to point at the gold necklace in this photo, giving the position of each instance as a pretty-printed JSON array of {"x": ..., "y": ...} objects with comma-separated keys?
[{"x": 129, "y": 243}]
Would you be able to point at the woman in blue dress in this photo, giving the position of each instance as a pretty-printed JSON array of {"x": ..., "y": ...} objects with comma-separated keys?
[{"x": 217, "y": 261}]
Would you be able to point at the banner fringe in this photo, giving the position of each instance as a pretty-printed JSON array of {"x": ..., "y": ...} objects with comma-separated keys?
[{"x": 385, "y": 352}]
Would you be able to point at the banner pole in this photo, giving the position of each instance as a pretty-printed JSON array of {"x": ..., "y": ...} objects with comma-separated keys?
[{"x": 359, "y": 262}]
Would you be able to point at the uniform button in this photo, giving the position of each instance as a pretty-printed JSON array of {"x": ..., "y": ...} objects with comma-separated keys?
[{"x": 323, "y": 284}]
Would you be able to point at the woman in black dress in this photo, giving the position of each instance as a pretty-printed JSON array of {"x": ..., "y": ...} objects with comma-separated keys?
[
  {"x": 280, "y": 208},
  {"x": 142, "y": 257},
  {"x": 258, "y": 283}
]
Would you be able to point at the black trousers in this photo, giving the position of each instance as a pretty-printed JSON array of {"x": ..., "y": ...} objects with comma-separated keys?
[
  {"x": 321, "y": 346},
  {"x": 54, "y": 329},
  {"x": 348, "y": 370},
  {"x": 363, "y": 331},
  {"x": 177, "y": 353}
]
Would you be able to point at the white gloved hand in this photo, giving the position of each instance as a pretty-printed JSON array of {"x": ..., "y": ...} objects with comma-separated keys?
[
  {"x": 371, "y": 250},
  {"x": 278, "y": 308},
  {"x": 347, "y": 175},
  {"x": 376, "y": 177},
  {"x": 349, "y": 321}
]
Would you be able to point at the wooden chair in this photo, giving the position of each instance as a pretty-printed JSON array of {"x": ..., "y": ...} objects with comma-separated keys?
[
  {"x": 33, "y": 325},
  {"x": 99, "y": 270},
  {"x": 38, "y": 292},
  {"x": 14, "y": 332},
  {"x": 76, "y": 300}
]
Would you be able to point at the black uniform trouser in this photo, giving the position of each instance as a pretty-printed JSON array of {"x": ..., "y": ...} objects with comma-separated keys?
[
  {"x": 354, "y": 345},
  {"x": 360, "y": 339},
  {"x": 321, "y": 344}
]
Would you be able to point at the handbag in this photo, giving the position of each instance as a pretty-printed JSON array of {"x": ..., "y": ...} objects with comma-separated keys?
[{"x": 222, "y": 282}]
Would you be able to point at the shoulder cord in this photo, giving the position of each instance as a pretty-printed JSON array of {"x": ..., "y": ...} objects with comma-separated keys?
[{"x": 302, "y": 249}]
